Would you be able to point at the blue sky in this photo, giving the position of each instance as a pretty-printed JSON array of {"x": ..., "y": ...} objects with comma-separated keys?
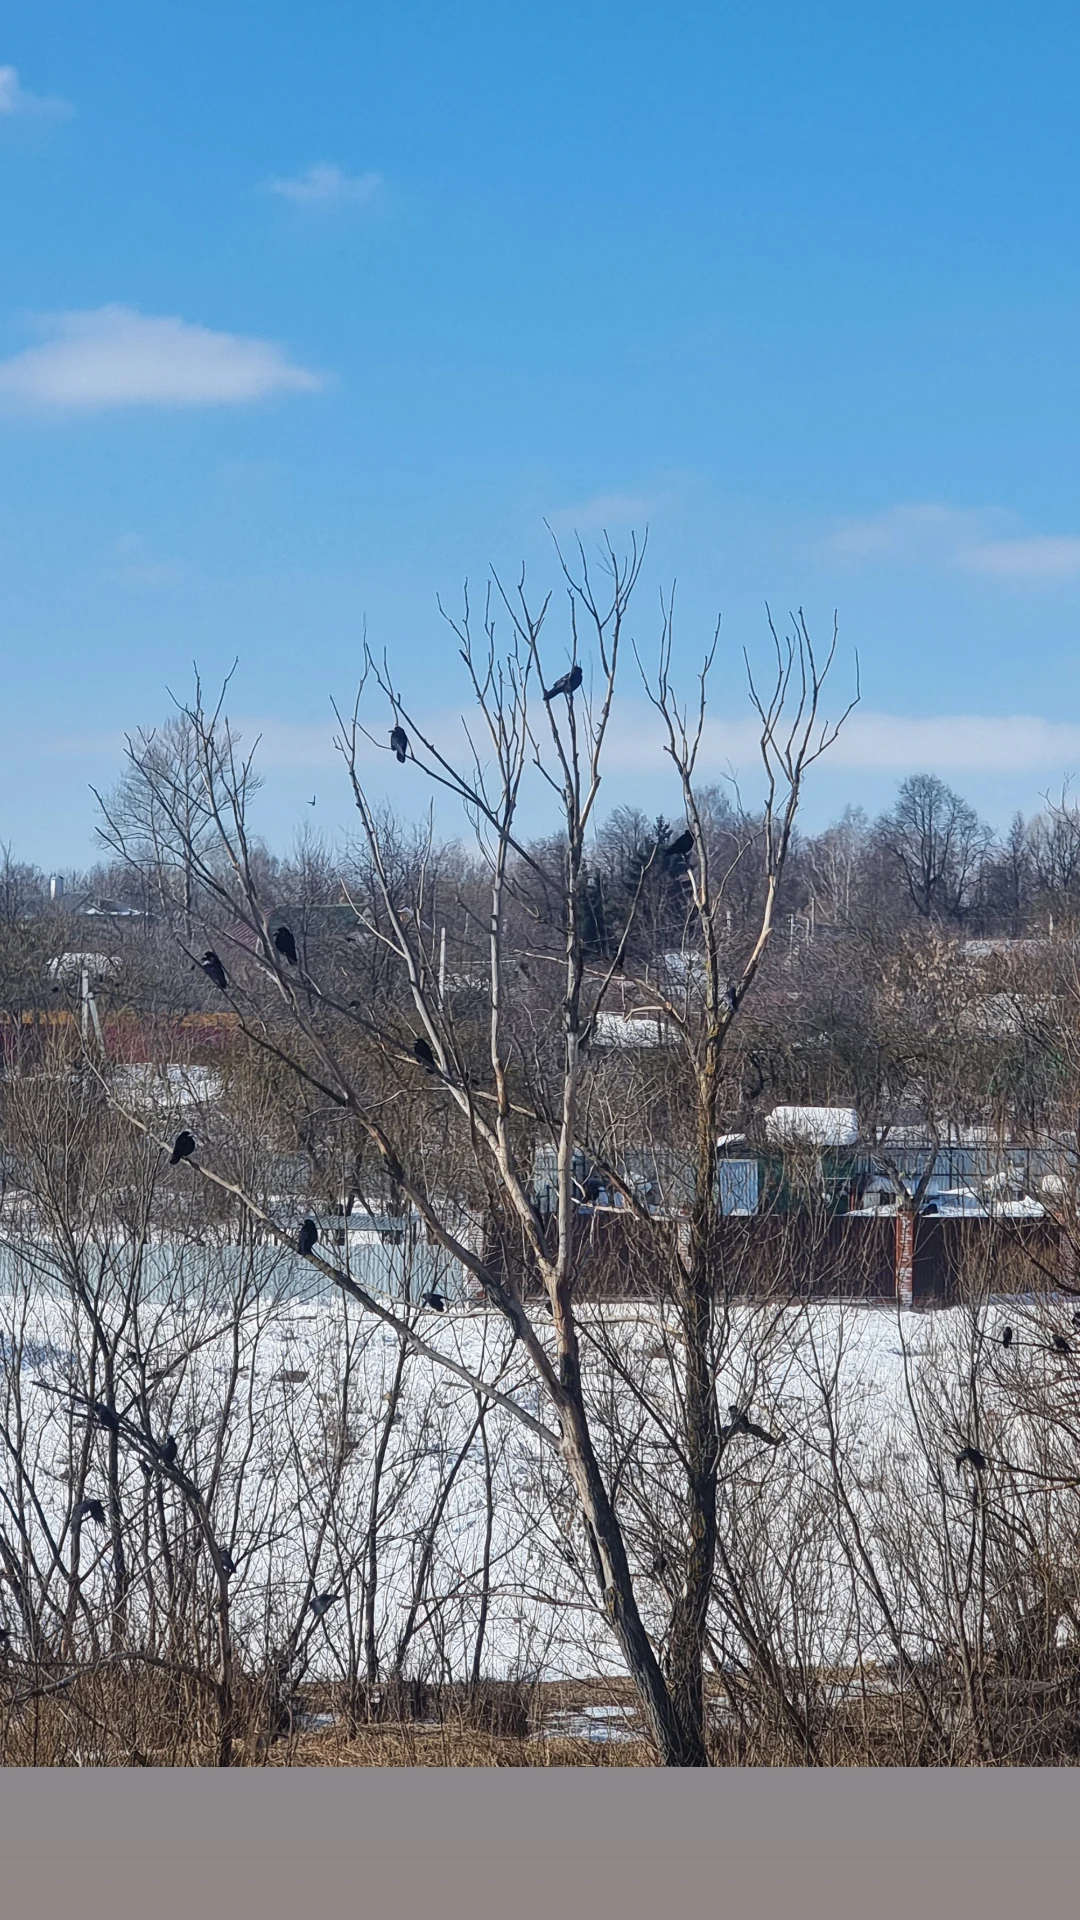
[{"x": 306, "y": 314}]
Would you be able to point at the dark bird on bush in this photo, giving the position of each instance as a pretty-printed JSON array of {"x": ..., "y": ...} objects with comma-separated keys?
[
  {"x": 399, "y": 744},
  {"x": 1060, "y": 1344},
  {"x": 435, "y": 1300},
  {"x": 742, "y": 1423},
  {"x": 680, "y": 849},
  {"x": 214, "y": 970},
  {"x": 167, "y": 1450},
  {"x": 89, "y": 1510},
  {"x": 423, "y": 1053},
  {"x": 307, "y": 1237},
  {"x": 105, "y": 1417},
  {"x": 183, "y": 1148},
  {"x": 285, "y": 944},
  {"x": 971, "y": 1457},
  {"x": 569, "y": 683},
  {"x": 1007, "y": 1337},
  {"x": 322, "y": 1604}
]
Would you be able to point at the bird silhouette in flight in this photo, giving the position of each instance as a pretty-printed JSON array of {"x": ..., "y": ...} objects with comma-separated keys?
[
  {"x": 435, "y": 1300},
  {"x": 1007, "y": 1337},
  {"x": 307, "y": 1237},
  {"x": 569, "y": 684},
  {"x": 322, "y": 1604},
  {"x": 285, "y": 944},
  {"x": 89, "y": 1510},
  {"x": 214, "y": 970},
  {"x": 1060, "y": 1344},
  {"x": 742, "y": 1423},
  {"x": 399, "y": 744},
  {"x": 183, "y": 1148},
  {"x": 971, "y": 1457},
  {"x": 423, "y": 1053},
  {"x": 680, "y": 849}
]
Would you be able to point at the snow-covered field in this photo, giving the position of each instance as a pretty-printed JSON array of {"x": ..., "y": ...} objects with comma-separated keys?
[{"x": 279, "y": 1407}]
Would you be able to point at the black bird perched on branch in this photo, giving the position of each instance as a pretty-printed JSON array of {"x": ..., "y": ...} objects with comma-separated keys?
[
  {"x": 659, "y": 1566},
  {"x": 1060, "y": 1344},
  {"x": 105, "y": 1417},
  {"x": 742, "y": 1423},
  {"x": 435, "y": 1300},
  {"x": 1007, "y": 1337},
  {"x": 972, "y": 1457},
  {"x": 399, "y": 744},
  {"x": 322, "y": 1604},
  {"x": 214, "y": 970},
  {"x": 423, "y": 1053},
  {"x": 228, "y": 1564},
  {"x": 285, "y": 944},
  {"x": 569, "y": 683},
  {"x": 167, "y": 1450},
  {"x": 680, "y": 849},
  {"x": 307, "y": 1237},
  {"x": 89, "y": 1510},
  {"x": 183, "y": 1148}
]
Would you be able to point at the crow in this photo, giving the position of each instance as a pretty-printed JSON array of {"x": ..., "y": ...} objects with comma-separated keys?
[
  {"x": 167, "y": 1450},
  {"x": 307, "y": 1237},
  {"x": 89, "y": 1510},
  {"x": 228, "y": 1564},
  {"x": 569, "y": 683},
  {"x": 742, "y": 1423},
  {"x": 1007, "y": 1337},
  {"x": 1076, "y": 1319},
  {"x": 973, "y": 1458},
  {"x": 105, "y": 1417},
  {"x": 435, "y": 1300},
  {"x": 322, "y": 1604},
  {"x": 1060, "y": 1344},
  {"x": 214, "y": 970},
  {"x": 423, "y": 1053},
  {"x": 399, "y": 744},
  {"x": 731, "y": 998},
  {"x": 659, "y": 1566},
  {"x": 183, "y": 1148},
  {"x": 285, "y": 944},
  {"x": 680, "y": 849}
]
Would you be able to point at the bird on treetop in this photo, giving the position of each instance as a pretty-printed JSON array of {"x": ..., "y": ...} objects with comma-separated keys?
[
  {"x": 972, "y": 1457},
  {"x": 569, "y": 683},
  {"x": 183, "y": 1148},
  {"x": 399, "y": 743},
  {"x": 1007, "y": 1337},
  {"x": 167, "y": 1450},
  {"x": 105, "y": 1417},
  {"x": 89, "y": 1510},
  {"x": 1060, "y": 1344},
  {"x": 285, "y": 944},
  {"x": 435, "y": 1300},
  {"x": 423, "y": 1053},
  {"x": 307, "y": 1237},
  {"x": 322, "y": 1603},
  {"x": 214, "y": 970}
]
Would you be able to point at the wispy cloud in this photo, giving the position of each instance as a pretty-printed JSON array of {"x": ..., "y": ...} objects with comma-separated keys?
[
  {"x": 15, "y": 98},
  {"x": 116, "y": 357},
  {"x": 326, "y": 185},
  {"x": 605, "y": 510},
  {"x": 983, "y": 541},
  {"x": 871, "y": 743}
]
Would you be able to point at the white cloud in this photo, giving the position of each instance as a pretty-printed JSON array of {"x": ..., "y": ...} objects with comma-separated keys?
[
  {"x": 870, "y": 743},
  {"x": 985, "y": 541},
  {"x": 606, "y": 510},
  {"x": 326, "y": 185},
  {"x": 15, "y": 99},
  {"x": 116, "y": 357},
  {"x": 1040, "y": 557}
]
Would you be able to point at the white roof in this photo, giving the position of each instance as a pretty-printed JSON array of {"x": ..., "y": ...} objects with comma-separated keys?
[{"x": 812, "y": 1126}]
